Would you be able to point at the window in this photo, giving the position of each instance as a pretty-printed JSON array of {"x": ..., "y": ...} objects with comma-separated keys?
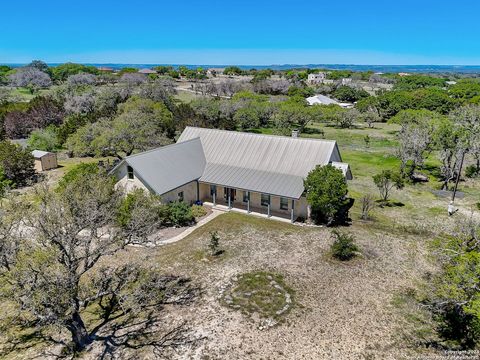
[
  {"x": 180, "y": 196},
  {"x": 246, "y": 196},
  {"x": 283, "y": 203},
  {"x": 213, "y": 190},
  {"x": 265, "y": 200},
  {"x": 130, "y": 173}
]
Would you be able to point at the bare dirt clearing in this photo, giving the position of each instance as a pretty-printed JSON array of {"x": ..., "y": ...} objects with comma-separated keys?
[{"x": 344, "y": 310}]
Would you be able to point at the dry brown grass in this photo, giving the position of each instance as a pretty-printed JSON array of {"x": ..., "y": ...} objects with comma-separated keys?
[{"x": 345, "y": 310}]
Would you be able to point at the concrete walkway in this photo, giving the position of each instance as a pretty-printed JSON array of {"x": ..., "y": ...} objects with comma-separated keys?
[
  {"x": 191, "y": 229},
  {"x": 225, "y": 208}
]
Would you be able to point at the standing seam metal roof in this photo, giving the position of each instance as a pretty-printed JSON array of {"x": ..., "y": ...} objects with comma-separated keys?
[
  {"x": 269, "y": 164},
  {"x": 262, "y": 163},
  {"x": 270, "y": 153},
  {"x": 169, "y": 167}
]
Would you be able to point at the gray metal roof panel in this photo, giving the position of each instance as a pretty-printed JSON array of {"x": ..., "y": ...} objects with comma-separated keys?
[
  {"x": 254, "y": 180},
  {"x": 277, "y": 154},
  {"x": 169, "y": 167}
]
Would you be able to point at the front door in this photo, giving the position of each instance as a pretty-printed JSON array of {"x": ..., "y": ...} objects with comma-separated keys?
[{"x": 232, "y": 192}]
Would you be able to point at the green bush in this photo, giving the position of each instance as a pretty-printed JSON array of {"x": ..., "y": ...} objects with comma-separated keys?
[
  {"x": 343, "y": 247},
  {"x": 180, "y": 213},
  {"x": 327, "y": 194},
  {"x": 214, "y": 244},
  {"x": 140, "y": 201},
  {"x": 77, "y": 172},
  {"x": 471, "y": 171},
  {"x": 17, "y": 164},
  {"x": 44, "y": 139},
  {"x": 198, "y": 211}
]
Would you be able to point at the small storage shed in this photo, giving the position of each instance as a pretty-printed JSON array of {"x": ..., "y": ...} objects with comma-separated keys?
[{"x": 44, "y": 160}]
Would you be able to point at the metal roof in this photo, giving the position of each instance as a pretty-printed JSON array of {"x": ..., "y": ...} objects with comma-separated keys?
[
  {"x": 169, "y": 167},
  {"x": 270, "y": 164},
  {"x": 270, "y": 153},
  {"x": 254, "y": 180},
  {"x": 321, "y": 99},
  {"x": 37, "y": 154},
  {"x": 345, "y": 169}
]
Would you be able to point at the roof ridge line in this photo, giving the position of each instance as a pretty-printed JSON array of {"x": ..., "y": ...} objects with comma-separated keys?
[
  {"x": 161, "y": 147},
  {"x": 254, "y": 134}
]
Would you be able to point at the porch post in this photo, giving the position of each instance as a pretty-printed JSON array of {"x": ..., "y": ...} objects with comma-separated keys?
[
  {"x": 293, "y": 207},
  {"x": 214, "y": 198},
  {"x": 309, "y": 212},
  {"x": 248, "y": 202},
  {"x": 198, "y": 191},
  {"x": 229, "y": 198},
  {"x": 268, "y": 208}
]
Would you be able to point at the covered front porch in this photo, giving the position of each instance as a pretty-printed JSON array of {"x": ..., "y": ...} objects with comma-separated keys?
[
  {"x": 254, "y": 211},
  {"x": 265, "y": 205}
]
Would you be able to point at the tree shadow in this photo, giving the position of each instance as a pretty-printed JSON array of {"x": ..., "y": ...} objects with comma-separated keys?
[
  {"x": 119, "y": 329},
  {"x": 313, "y": 131},
  {"x": 389, "y": 203}
]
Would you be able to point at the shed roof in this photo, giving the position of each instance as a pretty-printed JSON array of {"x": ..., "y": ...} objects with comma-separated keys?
[
  {"x": 37, "y": 154},
  {"x": 169, "y": 167}
]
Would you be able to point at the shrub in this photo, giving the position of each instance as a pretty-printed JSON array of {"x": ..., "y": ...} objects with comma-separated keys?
[
  {"x": 214, "y": 243},
  {"x": 386, "y": 181},
  {"x": 180, "y": 213},
  {"x": 141, "y": 204},
  {"x": 77, "y": 172},
  {"x": 44, "y": 139},
  {"x": 326, "y": 192},
  {"x": 471, "y": 171},
  {"x": 343, "y": 247},
  {"x": 367, "y": 205},
  {"x": 5, "y": 184},
  {"x": 198, "y": 211},
  {"x": 17, "y": 164}
]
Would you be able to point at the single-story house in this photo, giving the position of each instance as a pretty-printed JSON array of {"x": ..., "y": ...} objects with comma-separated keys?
[
  {"x": 44, "y": 160},
  {"x": 260, "y": 173},
  {"x": 317, "y": 78}
]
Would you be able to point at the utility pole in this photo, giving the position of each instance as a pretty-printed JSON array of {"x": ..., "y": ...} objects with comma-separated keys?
[{"x": 458, "y": 177}]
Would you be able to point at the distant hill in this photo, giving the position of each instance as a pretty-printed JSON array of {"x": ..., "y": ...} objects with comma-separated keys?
[{"x": 465, "y": 69}]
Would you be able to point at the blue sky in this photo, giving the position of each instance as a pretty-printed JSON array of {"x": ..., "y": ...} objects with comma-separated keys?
[{"x": 242, "y": 32}]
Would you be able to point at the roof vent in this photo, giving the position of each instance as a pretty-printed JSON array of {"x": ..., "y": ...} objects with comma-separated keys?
[{"x": 294, "y": 133}]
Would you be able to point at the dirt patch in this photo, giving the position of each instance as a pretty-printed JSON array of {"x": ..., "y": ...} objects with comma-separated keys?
[{"x": 344, "y": 310}]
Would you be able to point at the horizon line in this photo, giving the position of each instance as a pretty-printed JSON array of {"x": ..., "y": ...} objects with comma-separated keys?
[{"x": 232, "y": 64}]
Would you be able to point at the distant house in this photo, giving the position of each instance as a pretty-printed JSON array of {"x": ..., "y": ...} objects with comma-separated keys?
[
  {"x": 316, "y": 78},
  {"x": 147, "y": 71},
  {"x": 214, "y": 71},
  {"x": 325, "y": 100},
  {"x": 105, "y": 69},
  {"x": 44, "y": 160},
  {"x": 252, "y": 172}
]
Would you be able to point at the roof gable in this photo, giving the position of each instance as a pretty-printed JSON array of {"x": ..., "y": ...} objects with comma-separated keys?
[{"x": 169, "y": 167}]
